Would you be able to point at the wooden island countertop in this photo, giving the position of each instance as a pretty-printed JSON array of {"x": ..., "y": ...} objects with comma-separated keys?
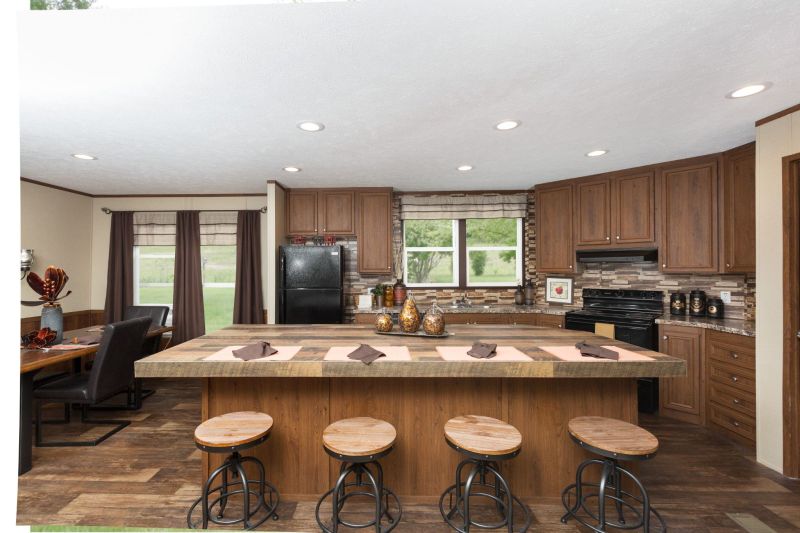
[
  {"x": 417, "y": 396},
  {"x": 187, "y": 360}
]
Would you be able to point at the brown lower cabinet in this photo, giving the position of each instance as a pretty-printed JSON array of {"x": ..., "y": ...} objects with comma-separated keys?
[
  {"x": 719, "y": 389},
  {"x": 531, "y": 319}
]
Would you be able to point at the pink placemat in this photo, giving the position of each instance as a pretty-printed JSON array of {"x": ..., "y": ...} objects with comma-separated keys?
[
  {"x": 393, "y": 353},
  {"x": 68, "y": 346},
  {"x": 285, "y": 353},
  {"x": 571, "y": 353},
  {"x": 459, "y": 353}
]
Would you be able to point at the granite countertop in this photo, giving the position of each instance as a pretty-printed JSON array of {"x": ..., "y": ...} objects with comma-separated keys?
[
  {"x": 726, "y": 325},
  {"x": 489, "y": 308}
]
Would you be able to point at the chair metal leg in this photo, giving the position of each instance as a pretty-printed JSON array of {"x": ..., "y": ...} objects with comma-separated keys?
[{"x": 41, "y": 443}]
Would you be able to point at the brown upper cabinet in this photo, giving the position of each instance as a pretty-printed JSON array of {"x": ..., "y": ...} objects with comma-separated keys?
[
  {"x": 321, "y": 212},
  {"x": 617, "y": 212},
  {"x": 375, "y": 232},
  {"x": 555, "y": 251},
  {"x": 738, "y": 210},
  {"x": 689, "y": 215}
]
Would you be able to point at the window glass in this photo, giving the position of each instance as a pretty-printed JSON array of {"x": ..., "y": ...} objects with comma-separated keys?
[
  {"x": 494, "y": 251},
  {"x": 154, "y": 272},
  {"x": 430, "y": 252},
  {"x": 219, "y": 278}
]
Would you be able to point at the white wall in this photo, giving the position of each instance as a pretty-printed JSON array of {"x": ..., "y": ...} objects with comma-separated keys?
[
  {"x": 101, "y": 227},
  {"x": 276, "y": 211},
  {"x": 774, "y": 140},
  {"x": 58, "y": 226}
]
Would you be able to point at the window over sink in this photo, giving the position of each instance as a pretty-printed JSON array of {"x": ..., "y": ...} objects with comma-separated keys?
[{"x": 463, "y": 253}]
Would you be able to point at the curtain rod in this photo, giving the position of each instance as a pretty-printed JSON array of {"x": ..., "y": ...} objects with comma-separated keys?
[{"x": 108, "y": 211}]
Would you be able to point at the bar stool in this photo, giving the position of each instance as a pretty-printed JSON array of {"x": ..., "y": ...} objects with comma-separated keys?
[
  {"x": 614, "y": 440},
  {"x": 485, "y": 441},
  {"x": 233, "y": 433},
  {"x": 358, "y": 443}
]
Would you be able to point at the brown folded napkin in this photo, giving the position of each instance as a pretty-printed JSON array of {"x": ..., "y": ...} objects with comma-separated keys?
[
  {"x": 481, "y": 350},
  {"x": 590, "y": 350},
  {"x": 255, "y": 351},
  {"x": 366, "y": 354}
]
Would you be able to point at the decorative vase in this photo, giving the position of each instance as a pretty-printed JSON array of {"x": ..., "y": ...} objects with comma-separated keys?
[
  {"x": 388, "y": 296},
  {"x": 433, "y": 323},
  {"x": 383, "y": 321},
  {"x": 409, "y": 316},
  {"x": 53, "y": 318},
  {"x": 400, "y": 292}
]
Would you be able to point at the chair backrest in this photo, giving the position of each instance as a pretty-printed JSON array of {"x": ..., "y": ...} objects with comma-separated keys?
[
  {"x": 112, "y": 370},
  {"x": 159, "y": 315}
]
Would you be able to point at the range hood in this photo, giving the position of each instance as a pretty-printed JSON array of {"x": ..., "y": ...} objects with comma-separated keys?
[{"x": 618, "y": 256}]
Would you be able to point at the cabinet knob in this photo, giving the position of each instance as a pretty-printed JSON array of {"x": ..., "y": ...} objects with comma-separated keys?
[
  {"x": 728, "y": 265},
  {"x": 736, "y": 401},
  {"x": 735, "y": 379},
  {"x": 560, "y": 325},
  {"x": 736, "y": 423},
  {"x": 617, "y": 237},
  {"x": 735, "y": 355},
  {"x": 663, "y": 265},
  {"x": 665, "y": 337},
  {"x": 608, "y": 238},
  {"x": 570, "y": 266}
]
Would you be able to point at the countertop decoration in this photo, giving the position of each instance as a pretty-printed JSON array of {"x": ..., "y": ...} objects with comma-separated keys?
[
  {"x": 49, "y": 291},
  {"x": 383, "y": 321},
  {"x": 409, "y": 316},
  {"x": 433, "y": 323}
]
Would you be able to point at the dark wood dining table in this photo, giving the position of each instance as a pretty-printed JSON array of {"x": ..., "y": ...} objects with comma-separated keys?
[{"x": 32, "y": 361}]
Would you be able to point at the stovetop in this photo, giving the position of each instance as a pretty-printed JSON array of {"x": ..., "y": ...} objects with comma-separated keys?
[{"x": 621, "y": 305}]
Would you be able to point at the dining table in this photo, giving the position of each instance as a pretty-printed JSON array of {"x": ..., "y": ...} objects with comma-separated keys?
[{"x": 32, "y": 361}]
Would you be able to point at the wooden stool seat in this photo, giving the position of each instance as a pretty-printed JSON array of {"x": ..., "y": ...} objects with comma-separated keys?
[
  {"x": 359, "y": 437},
  {"x": 233, "y": 429},
  {"x": 482, "y": 435},
  {"x": 613, "y": 436}
]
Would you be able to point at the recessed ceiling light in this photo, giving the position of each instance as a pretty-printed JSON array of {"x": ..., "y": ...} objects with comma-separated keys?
[
  {"x": 291, "y": 169},
  {"x": 507, "y": 125},
  {"x": 596, "y": 153},
  {"x": 84, "y": 156},
  {"x": 311, "y": 126},
  {"x": 749, "y": 90},
  {"x": 465, "y": 168}
]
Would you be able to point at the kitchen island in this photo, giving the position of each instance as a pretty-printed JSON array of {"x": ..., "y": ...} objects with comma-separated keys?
[{"x": 538, "y": 395}]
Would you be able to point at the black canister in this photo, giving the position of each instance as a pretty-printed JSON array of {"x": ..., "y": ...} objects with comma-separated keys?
[
  {"x": 677, "y": 303},
  {"x": 715, "y": 308},
  {"x": 697, "y": 303}
]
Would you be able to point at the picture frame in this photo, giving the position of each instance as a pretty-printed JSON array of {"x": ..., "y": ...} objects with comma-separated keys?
[{"x": 558, "y": 291}]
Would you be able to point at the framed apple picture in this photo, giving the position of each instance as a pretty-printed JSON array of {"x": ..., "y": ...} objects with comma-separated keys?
[{"x": 558, "y": 290}]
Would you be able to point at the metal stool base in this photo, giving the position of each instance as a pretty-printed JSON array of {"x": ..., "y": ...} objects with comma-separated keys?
[
  {"x": 213, "y": 510},
  {"x": 366, "y": 483},
  {"x": 609, "y": 488},
  {"x": 496, "y": 490}
]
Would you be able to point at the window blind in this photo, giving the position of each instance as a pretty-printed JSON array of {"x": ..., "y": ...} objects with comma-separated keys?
[
  {"x": 157, "y": 228},
  {"x": 457, "y": 206}
]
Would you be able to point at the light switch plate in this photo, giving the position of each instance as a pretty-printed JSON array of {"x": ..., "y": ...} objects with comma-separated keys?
[{"x": 725, "y": 296}]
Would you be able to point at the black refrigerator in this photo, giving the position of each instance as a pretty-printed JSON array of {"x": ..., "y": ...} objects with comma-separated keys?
[{"x": 310, "y": 285}]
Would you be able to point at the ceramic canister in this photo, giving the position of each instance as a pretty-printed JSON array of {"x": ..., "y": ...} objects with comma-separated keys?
[
  {"x": 697, "y": 303},
  {"x": 677, "y": 303},
  {"x": 715, "y": 308}
]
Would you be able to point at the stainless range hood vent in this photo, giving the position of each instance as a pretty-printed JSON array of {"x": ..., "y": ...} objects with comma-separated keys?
[{"x": 618, "y": 256}]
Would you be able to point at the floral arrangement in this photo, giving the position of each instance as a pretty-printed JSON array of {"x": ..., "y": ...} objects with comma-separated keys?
[
  {"x": 38, "y": 339},
  {"x": 49, "y": 289}
]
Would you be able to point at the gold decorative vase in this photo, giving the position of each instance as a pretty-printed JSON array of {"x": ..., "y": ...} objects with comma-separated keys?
[
  {"x": 409, "y": 316},
  {"x": 433, "y": 323},
  {"x": 383, "y": 322}
]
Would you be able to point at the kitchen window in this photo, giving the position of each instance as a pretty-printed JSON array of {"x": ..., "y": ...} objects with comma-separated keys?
[
  {"x": 153, "y": 276},
  {"x": 463, "y": 253}
]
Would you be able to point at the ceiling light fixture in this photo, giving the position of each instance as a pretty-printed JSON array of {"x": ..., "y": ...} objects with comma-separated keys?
[
  {"x": 87, "y": 157},
  {"x": 311, "y": 126},
  {"x": 464, "y": 168},
  {"x": 749, "y": 90},
  {"x": 596, "y": 153},
  {"x": 507, "y": 125},
  {"x": 292, "y": 169}
]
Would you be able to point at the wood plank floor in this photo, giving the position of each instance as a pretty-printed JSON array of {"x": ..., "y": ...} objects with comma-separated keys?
[{"x": 148, "y": 475}]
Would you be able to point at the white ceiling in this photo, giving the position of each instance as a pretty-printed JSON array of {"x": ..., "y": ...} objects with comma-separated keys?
[{"x": 206, "y": 99}]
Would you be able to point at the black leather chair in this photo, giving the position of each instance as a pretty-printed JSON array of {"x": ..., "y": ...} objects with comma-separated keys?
[{"x": 111, "y": 374}]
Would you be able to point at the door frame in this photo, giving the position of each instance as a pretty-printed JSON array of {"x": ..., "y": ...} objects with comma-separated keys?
[{"x": 791, "y": 315}]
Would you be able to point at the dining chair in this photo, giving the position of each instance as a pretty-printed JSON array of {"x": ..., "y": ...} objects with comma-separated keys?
[
  {"x": 158, "y": 314},
  {"x": 111, "y": 374}
]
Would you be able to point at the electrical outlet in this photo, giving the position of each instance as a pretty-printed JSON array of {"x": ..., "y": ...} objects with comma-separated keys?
[{"x": 725, "y": 296}]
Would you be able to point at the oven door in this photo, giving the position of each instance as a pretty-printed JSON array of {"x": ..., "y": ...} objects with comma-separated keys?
[{"x": 643, "y": 335}]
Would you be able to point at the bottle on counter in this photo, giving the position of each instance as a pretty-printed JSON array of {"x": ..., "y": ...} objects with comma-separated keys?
[
  {"x": 530, "y": 292},
  {"x": 519, "y": 295},
  {"x": 400, "y": 292},
  {"x": 677, "y": 303},
  {"x": 715, "y": 308},
  {"x": 388, "y": 296},
  {"x": 697, "y": 303}
]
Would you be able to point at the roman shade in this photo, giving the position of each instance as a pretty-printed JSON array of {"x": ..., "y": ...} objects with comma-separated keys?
[
  {"x": 157, "y": 228},
  {"x": 457, "y": 206}
]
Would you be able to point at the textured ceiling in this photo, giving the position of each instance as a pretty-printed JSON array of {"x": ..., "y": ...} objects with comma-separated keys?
[{"x": 206, "y": 99}]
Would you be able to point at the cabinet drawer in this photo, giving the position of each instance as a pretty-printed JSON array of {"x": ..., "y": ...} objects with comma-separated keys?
[
  {"x": 737, "y": 400},
  {"x": 734, "y": 376},
  {"x": 733, "y": 355},
  {"x": 739, "y": 424}
]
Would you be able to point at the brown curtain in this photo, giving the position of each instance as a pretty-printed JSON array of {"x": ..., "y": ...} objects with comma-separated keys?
[
  {"x": 119, "y": 284},
  {"x": 248, "y": 305},
  {"x": 187, "y": 297}
]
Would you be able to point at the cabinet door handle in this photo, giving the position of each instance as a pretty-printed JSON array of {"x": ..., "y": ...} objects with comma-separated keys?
[
  {"x": 735, "y": 379},
  {"x": 736, "y": 401}
]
